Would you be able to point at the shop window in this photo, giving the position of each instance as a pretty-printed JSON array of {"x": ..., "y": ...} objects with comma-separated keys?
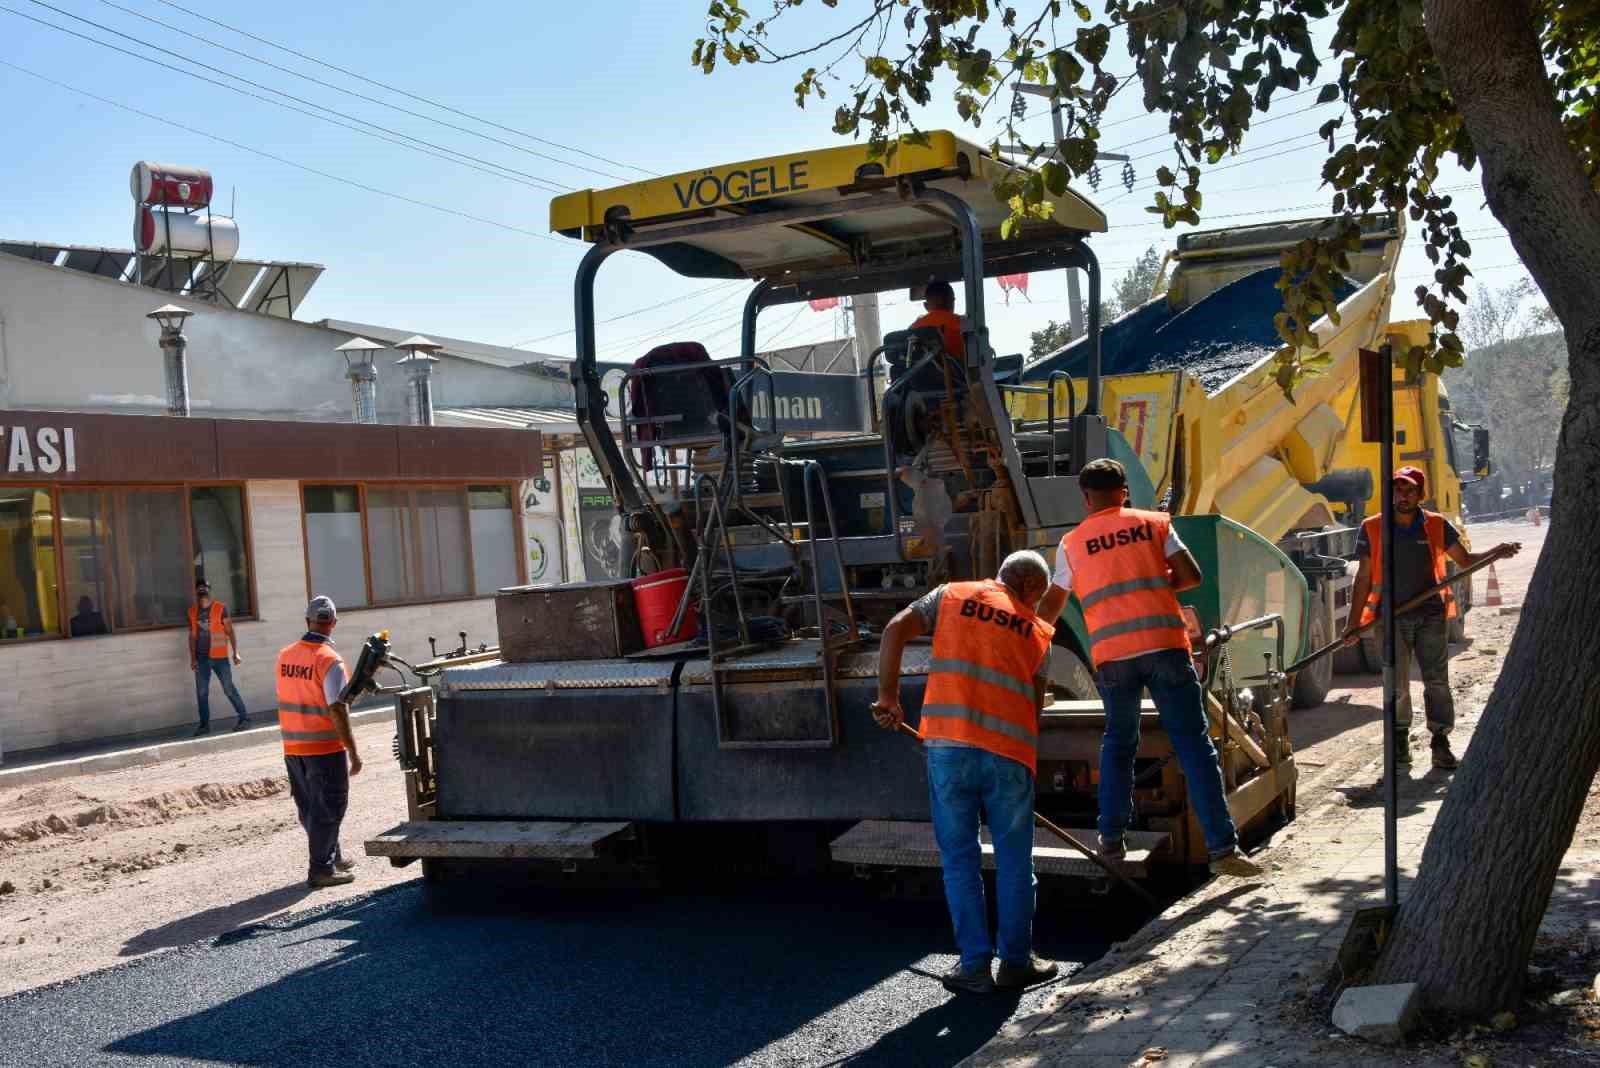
[
  {"x": 333, "y": 544},
  {"x": 494, "y": 538},
  {"x": 423, "y": 543},
  {"x": 130, "y": 556},
  {"x": 217, "y": 532},
  {"x": 28, "y": 606}
]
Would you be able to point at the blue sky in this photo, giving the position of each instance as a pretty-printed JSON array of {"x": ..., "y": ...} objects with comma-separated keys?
[{"x": 610, "y": 77}]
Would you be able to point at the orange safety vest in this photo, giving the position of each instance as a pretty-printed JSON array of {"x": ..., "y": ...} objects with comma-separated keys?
[
  {"x": 949, "y": 324},
  {"x": 219, "y": 637},
  {"x": 1120, "y": 573},
  {"x": 303, "y": 717},
  {"x": 1433, "y": 527},
  {"x": 987, "y": 648}
]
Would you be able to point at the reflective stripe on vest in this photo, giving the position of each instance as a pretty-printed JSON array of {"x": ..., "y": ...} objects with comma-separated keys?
[
  {"x": 303, "y": 716},
  {"x": 987, "y": 648},
  {"x": 219, "y": 637},
  {"x": 1433, "y": 529},
  {"x": 1120, "y": 574}
]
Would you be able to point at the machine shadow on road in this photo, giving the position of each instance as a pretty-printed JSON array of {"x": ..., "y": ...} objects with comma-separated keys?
[
  {"x": 613, "y": 977},
  {"x": 226, "y": 918}
]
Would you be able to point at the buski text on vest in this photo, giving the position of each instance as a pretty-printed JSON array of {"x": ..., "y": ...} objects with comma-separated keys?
[
  {"x": 1125, "y": 536},
  {"x": 297, "y": 671},
  {"x": 987, "y": 613},
  {"x": 740, "y": 184}
]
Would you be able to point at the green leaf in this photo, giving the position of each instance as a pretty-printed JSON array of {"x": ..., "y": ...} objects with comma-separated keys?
[{"x": 1329, "y": 94}]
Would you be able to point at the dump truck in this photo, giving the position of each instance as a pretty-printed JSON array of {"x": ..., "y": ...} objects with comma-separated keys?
[
  {"x": 1189, "y": 381},
  {"x": 715, "y": 709}
]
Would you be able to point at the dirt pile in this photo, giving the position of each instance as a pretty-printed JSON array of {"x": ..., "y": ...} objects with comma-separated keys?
[{"x": 144, "y": 812}]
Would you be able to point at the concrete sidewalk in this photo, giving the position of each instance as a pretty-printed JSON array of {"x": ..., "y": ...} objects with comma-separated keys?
[
  {"x": 37, "y": 768},
  {"x": 1227, "y": 975}
]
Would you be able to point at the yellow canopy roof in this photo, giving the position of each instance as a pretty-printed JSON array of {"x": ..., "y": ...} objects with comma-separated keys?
[{"x": 813, "y": 179}]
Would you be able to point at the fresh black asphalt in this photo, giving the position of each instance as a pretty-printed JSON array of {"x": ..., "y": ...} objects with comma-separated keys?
[{"x": 806, "y": 973}]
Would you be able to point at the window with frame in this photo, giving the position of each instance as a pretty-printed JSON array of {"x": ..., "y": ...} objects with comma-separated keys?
[
  {"x": 393, "y": 543},
  {"x": 80, "y": 561}
]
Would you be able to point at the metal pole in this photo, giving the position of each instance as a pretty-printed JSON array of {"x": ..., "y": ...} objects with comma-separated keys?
[
  {"x": 1391, "y": 785},
  {"x": 1074, "y": 305},
  {"x": 173, "y": 347}
]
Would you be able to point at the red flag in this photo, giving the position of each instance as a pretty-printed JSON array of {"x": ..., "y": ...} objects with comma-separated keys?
[
  {"x": 824, "y": 304},
  {"x": 1008, "y": 282}
]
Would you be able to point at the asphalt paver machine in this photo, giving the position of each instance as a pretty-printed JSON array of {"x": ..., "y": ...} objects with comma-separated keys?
[{"x": 583, "y": 746}]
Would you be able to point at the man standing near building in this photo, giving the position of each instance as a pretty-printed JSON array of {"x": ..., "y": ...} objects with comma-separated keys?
[
  {"x": 1128, "y": 567},
  {"x": 939, "y": 307},
  {"x": 210, "y": 643},
  {"x": 317, "y": 740},
  {"x": 1423, "y": 540},
  {"x": 980, "y": 727}
]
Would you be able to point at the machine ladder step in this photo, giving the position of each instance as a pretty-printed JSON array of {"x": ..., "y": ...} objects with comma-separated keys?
[
  {"x": 909, "y": 844},
  {"x": 496, "y": 839}
]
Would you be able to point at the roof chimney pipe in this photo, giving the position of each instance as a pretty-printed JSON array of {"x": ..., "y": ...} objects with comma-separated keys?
[
  {"x": 173, "y": 348},
  {"x": 363, "y": 375},
  {"x": 419, "y": 365}
]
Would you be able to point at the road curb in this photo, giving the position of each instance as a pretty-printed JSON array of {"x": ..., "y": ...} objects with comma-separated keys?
[{"x": 32, "y": 775}]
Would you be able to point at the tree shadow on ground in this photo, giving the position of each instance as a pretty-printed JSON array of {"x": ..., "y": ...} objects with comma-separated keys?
[{"x": 215, "y": 922}]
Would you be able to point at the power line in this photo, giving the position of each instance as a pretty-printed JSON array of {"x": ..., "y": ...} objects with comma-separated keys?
[
  {"x": 359, "y": 96},
  {"x": 289, "y": 162},
  {"x": 397, "y": 89},
  {"x": 465, "y": 159},
  {"x": 624, "y": 315}
]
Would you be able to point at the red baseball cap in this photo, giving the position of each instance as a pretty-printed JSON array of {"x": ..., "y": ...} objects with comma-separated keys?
[{"x": 1412, "y": 475}]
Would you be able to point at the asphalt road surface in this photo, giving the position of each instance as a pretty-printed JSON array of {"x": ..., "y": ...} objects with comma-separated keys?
[{"x": 790, "y": 974}]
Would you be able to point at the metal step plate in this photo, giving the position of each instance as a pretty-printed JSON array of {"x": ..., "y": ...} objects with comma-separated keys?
[
  {"x": 906, "y": 844},
  {"x": 495, "y": 839}
]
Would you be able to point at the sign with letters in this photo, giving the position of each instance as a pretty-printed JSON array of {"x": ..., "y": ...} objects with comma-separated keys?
[
  {"x": 807, "y": 402},
  {"x": 43, "y": 450}
]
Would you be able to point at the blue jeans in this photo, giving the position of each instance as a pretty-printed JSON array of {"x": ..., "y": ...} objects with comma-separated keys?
[
  {"x": 223, "y": 669},
  {"x": 963, "y": 783},
  {"x": 1169, "y": 676}
]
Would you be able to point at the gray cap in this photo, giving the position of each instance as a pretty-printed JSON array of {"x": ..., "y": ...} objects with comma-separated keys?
[{"x": 321, "y": 610}]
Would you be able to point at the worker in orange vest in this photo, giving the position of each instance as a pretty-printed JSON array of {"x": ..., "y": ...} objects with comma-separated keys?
[
  {"x": 210, "y": 643},
  {"x": 1127, "y": 567},
  {"x": 1423, "y": 541},
  {"x": 939, "y": 307},
  {"x": 317, "y": 740},
  {"x": 980, "y": 728}
]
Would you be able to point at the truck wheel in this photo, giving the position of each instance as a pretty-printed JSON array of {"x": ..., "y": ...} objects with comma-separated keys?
[
  {"x": 1070, "y": 677},
  {"x": 1312, "y": 682}
]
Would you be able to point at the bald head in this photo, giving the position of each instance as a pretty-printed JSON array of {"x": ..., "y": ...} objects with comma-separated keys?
[{"x": 1026, "y": 575}]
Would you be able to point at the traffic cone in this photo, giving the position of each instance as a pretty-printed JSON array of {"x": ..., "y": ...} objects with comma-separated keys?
[{"x": 1491, "y": 598}]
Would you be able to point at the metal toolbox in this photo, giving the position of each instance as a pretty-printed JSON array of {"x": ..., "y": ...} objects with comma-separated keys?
[{"x": 573, "y": 621}]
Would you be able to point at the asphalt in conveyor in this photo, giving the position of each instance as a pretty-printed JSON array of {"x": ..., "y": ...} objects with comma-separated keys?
[{"x": 798, "y": 973}]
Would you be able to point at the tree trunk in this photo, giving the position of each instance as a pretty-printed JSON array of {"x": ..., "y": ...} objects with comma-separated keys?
[{"x": 1467, "y": 927}]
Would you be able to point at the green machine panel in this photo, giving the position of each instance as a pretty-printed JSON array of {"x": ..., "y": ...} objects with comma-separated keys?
[{"x": 1245, "y": 576}]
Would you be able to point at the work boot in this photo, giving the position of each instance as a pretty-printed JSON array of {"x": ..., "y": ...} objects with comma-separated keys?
[
  {"x": 1236, "y": 864},
  {"x": 241, "y": 725},
  {"x": 1018, "y": 976},
  {"x": 1402, "y": 749},
  {"x": 1443, "y": 758},
  {"x": 1113, "y": 849},
  {"x": 344, "y": 865},
  {"x": 202, "y": 730},
  {"x": 974, "y": 980},
  {"x": 330, "y": 878}
]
